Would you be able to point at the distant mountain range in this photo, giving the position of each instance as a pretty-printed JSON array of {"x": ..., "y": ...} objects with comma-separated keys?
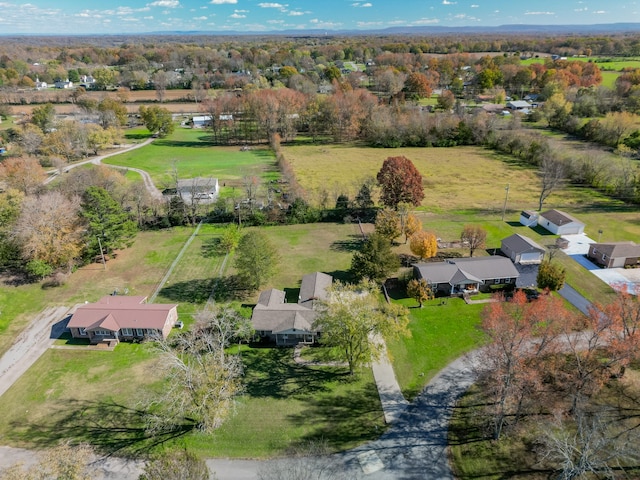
[
  {"x": 598, "y": 28},
  {"x": 434, "y": 30}
]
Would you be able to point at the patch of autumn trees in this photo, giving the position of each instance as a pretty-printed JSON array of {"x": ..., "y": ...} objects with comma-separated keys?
[{"x": 547, "y": 371}]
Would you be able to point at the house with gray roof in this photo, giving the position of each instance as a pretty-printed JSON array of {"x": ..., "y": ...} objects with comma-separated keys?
[
  {"x": 560, "y": 223},
  {"x": 615, "y": 254},
  {"x": 468, "y": 275},
  {"x": 522, "y": 250},
  {"x": 291, "y": 323}
]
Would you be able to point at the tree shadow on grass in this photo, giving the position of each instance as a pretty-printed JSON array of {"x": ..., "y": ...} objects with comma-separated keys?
[
  {"x": 181, "y": 144},
  {"x": 212, "y": 247},
  {"x": 272, "y": 373},
  {"x": 342, "y": 420},
  {"x": 111, "y": 428},
  {"x": 352, "y": 244},
  {"x": 199, "y": 290}
]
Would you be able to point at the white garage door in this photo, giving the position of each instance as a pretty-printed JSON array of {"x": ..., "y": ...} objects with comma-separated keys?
[{"x": 529, "y": 257}]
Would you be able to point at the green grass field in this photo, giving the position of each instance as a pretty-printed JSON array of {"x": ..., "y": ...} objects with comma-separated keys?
[
  {"x": 441, "y": 331},
  {"x": 604, "y": 63},
  {"x": 190, "y": 152}
]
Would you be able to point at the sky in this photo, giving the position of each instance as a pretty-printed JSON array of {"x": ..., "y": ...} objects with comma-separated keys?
[{"x": 74, "y": 17}]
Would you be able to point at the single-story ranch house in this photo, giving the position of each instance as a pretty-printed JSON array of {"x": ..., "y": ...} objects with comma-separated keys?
[
  {"x": 290, "y": 323},
  {"x": 615, "y": 254},
  {"x": 522, "y": 250},
  {"x": 114, "y": 318},
  {"x": 468, "y": 275},
  {"x": 560, "y": 223}
]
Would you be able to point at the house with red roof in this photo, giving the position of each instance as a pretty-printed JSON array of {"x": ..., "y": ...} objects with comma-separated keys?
[{"x": 117, "y": 318}]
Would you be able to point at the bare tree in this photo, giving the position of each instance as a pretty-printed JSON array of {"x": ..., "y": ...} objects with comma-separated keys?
[
  {"x": 474, "y": 236},
  {"x": 592, "y": 443},
  {"x": 70, "y": 462},
  {"x": 202, "y": 377},
  {"x": 552, "y": 176},
  {"x": 160, "y": 81}
]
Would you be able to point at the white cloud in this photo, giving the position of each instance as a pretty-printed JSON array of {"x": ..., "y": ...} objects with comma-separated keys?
[
  {"x": 369, "y": 24},
  {"x": 475, "y": 6},
  {"x": 164, "y": 3},
  {"x": 425, "y": 21},
  {"x": 295, "y": 13},
  {"x": 271, "y": 5},
  {"x": 447, "y": 2},
  {"x": 201, "y": 18},
  {"x": 362, "y": 5},
  {"x": 222, "y": 2},
  {"x": 539, "y": 13},
  {"x": 275, "y": 21},
  {"x": 237, "y": 15},
  {"x": 599, "y": 12},
  {"x": 581, "y": 9}
]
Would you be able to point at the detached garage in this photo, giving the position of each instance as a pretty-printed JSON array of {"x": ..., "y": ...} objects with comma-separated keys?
[
  {"x": 560, "y": 223},
  {"x": 522, "y": 250}
]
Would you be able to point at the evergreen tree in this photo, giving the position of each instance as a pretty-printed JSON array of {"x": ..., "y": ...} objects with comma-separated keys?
[{"x": 375, "y": 261}]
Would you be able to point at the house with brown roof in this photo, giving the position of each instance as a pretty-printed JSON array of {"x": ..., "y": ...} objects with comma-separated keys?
[
  {"x": 116, "y": 318},
  {"x": 615, "y": 254},
  {"x": 291, "y": 323},
  {"x": 560, "y": 223},
  {"x": 457, "y": 276}
]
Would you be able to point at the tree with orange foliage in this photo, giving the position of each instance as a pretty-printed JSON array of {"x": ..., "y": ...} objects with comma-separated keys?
[
  {"x": 513, "y": 363},
  {"x": 424, "y": 245},
  {"x": 22, "y": 173},
  {"x": 412, "y": 225}
]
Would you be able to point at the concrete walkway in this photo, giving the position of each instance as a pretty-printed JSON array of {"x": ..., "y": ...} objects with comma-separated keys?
[{"x": 391, "y": 398}]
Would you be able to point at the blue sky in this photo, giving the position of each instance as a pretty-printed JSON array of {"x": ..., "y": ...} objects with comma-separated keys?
[{"x": 139, "y": 16}]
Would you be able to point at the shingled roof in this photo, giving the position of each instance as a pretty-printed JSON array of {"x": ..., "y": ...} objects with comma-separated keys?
[
  {"x": 618, "y": 249},
  {"x": 559, "y": 218}
]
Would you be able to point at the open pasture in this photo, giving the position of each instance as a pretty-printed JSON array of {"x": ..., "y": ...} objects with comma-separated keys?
[{"x": 191, "y": 154}]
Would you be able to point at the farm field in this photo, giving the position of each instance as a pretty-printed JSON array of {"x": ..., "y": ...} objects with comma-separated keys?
[{"x": 193, "y": 156}]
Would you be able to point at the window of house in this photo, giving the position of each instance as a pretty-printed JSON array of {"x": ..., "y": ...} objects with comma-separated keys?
[
  {"x": 127, "y": 332},
  {"x": 496, "y": 281},
  {"x": 101, "y": 333},
  {"x": 139, "y": 332},
  {"x": 83, "y": 331},
  {"x": 604, "y": 257}
]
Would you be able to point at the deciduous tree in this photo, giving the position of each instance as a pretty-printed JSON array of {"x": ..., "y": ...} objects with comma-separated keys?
[
  {"x": 22, "y": 173},
  {"x": 474, "y": 236},
  {"x": 202, "y": 378},
  {"x": 176, "y": 465},
  {"x": 375, "y": 260},
  {"x": 400, "y": 181},
  {"x": 49, "y": 230},
  {"x": 550, "y": 276},
  {"x": 158, "y": 120},
  {"x": 424, "y": 245},
  {"x": 420, "y": 290},
  {"x": 256, "y": 259},
  {"x": 43, "y": 117},
  {"x": 412, "y": 225},
  {"x": 388, "y": 224},
  {"x": 552, "y": 174},
  {"x": 351, "y": 318}
]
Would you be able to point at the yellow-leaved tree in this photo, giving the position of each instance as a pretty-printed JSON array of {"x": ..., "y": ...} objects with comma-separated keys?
[{"x": 424, "y": 245}]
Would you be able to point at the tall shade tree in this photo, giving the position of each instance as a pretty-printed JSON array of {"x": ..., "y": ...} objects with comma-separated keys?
[
  {"x": 43, "y": 117},
  {"x": 424, "y": 245},
  {"x": 22, "y": 173},
  {"x": 375, "y": 261},
  {"x": 49, "y": 232},
  {"x": 474, "y": 236},
  {"x": 552, "y": 174},
  {"x": 256, "y": 259},
  {"x": 107, "y": 220},
  {"x": 158, "y": 120},
  {"x": 400, "y": 181},
  {"x": 388, "y": 224},
  {"x": 352, "y": 318},
  {"x": 203, "y": 378},
  {"x": 10, "y": 206}
]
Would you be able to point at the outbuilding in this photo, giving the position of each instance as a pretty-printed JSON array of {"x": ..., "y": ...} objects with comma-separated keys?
[
  {"x": 522, "y": 250},
  {"x": 560, "y": 223}
]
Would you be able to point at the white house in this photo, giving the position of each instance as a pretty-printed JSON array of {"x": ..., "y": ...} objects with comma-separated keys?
[
  {"x": 41, "y": 85},
  {"x": 201, "y": 121},
  {"x": 560, "y": 223},
  {"x": 63, "y": 84}
]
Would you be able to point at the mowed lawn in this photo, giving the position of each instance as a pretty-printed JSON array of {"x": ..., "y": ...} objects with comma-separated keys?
[
  {"x": 88, "y": 396},
  {"x": 190, "y": 153}
]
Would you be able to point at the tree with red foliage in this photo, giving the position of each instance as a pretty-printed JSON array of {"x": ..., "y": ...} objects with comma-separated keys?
[{"x": 401, "y": 182}]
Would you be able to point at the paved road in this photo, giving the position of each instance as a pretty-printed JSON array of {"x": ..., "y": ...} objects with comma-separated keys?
[{"x": 30, "y": 345}]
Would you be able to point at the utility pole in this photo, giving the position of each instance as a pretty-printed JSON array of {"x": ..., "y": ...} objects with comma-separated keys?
[
  {"x": 104, "y": 263},
  {"x": 506, "y": 197}
]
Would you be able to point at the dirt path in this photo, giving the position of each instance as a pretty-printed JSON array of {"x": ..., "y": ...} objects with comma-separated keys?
[{"x": 30, "y": 345}]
